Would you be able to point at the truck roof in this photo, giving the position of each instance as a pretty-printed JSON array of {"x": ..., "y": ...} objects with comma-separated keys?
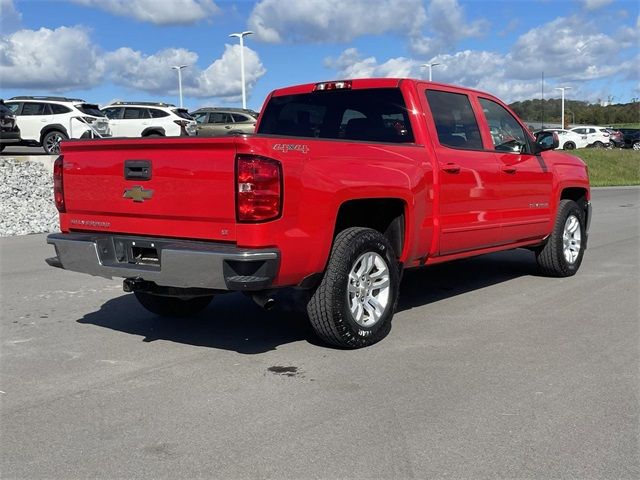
[{"x": 360, "y": 83}]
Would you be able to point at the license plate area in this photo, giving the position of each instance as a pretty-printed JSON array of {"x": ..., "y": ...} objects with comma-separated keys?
[{"x": 136, "y": 252}]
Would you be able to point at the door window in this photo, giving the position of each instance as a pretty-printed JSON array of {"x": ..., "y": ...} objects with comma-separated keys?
[
  {"x": 135, "y": 113},
  {"x": 112, "y": 113},
  {"x": 35, "y": 109},
  {"x": 14, "y": 107},
  {"x": 455, "y": 121},
  {"x": 219, "y": 117},
  {"x": 507, "y": 134}
]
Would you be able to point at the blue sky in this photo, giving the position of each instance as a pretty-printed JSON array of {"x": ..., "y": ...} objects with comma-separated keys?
[{"x": 103, "y": 50}]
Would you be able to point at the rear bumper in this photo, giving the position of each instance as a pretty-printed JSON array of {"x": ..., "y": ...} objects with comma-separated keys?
[{"x": 166, "y": 262}]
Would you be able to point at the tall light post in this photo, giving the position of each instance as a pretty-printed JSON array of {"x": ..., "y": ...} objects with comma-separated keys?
[
  {"x": 179, "y": 69},
  {"x": 430, "y": 65},
  {"x": 563, "y": 89},
  {"x": 241, "y": 36}
]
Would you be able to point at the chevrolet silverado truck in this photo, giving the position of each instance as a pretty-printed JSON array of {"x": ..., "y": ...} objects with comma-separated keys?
[{"x": 343, "y": 186}]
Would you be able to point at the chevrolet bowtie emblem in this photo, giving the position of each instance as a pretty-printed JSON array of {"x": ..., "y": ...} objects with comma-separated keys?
[{"x": 137, "y": 194}]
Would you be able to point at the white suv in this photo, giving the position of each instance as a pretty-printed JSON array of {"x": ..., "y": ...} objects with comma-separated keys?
[
  {"x": 597, "y": 137},
  {"x": 569, "y": 140},
  {"x": 147, "y": 119},
  {"x": 46, "y": 121}
]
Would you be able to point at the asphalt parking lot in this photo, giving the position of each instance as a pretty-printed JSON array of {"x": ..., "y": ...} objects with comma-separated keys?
[{"x": 490, "y": 371}]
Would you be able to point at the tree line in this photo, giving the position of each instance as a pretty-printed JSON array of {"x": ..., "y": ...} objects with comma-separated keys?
[{"x": 577, "y": 112}]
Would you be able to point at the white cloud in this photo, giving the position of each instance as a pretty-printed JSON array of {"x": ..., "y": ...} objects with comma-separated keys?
[
  {"x": 350, "y": 64},
  {"x": 222, "y": 77},
  {"x": 158, "y": 12},
  {"x": 10, "y": 18},
  {"x": 595, "y": 4},
  {"x": 447, "y": 24},
  {"x": 322, "y": 21},
  {"x": 153, "y": 73},
  {"x": 55, "y": 60},
  {"x": 565, "y": 48}
]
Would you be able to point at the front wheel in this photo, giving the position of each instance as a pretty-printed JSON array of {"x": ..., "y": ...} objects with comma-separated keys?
[
  {"x": 563, "y": 252},
  {"x": 51, "y": 142},
  {"x": 356, "y": 300},
  {"x": 172, "y": 306},
  {"x": 569, "y": 146}
]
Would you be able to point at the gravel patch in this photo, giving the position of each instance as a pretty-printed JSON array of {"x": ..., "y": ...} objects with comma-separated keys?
[{"x": 26, "y": 198}]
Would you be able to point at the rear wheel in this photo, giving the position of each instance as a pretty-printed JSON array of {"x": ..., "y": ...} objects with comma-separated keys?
[
  {"x": 172, "y": 306},
  {"x": 355, "y": 302},
  {"x": 51, "y": 141},
  {"x": 598, "y": 144},
  {"x": 569, "y": 146},
  {"x": 563, "y": 252}
]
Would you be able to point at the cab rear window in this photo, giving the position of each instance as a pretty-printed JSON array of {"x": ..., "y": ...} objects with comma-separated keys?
[{"x": 373, "y": 115}]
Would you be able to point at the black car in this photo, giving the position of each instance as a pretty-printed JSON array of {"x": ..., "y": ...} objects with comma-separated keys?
[
  {"x": 631, "y": 137},
  {"x": 9, "y": 131}
]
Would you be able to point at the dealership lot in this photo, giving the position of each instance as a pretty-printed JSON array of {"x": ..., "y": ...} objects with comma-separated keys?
[{"x": 489, "y": 370}]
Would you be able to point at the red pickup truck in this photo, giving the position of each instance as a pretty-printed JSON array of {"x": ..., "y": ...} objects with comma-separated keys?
[{"x": 343, "y": 185}]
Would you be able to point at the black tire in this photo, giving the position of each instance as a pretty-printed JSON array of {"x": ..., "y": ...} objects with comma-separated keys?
[
  {"x": 551, "y": 258},
  {"x": 598, "y": 144},
  {"x": 569, "y": 146},
  {"x": 51, "y": 141},
  {"x": 172, "y": 306},
  {"x": 328, "y": 309}
]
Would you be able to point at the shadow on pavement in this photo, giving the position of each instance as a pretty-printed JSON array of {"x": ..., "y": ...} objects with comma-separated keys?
[{"x": 234, "y": 322}]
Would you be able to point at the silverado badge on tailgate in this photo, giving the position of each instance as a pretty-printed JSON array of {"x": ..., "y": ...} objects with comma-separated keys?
[{"x": 137, "y": 194}]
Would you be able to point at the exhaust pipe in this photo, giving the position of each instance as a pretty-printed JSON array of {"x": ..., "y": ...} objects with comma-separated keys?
[{"x": 264, "y": 300}]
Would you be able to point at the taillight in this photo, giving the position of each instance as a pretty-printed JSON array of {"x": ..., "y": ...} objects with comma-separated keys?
[
  {"x": 58, "y": 185},
  {"x": 258, "y": 188}
]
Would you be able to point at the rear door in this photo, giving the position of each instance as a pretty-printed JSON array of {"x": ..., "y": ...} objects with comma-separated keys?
[
  {"x": 525, "y": 180},
  {"x": 33, "y": 118},
  {"x": 114, "y": 114},
  {"x": 468, "y": 175}
]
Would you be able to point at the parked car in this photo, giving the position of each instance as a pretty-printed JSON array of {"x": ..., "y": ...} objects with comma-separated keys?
[
  {"x": 342, "y": 187},
  {"x": 631, "y": 138},
  {"x": 221, "y": 121},
  {"x": 597, "y": 137},
  {"x": 9, "y": 130},
  {"x": 569, "y": 140},
  {"x": 47, "y": 121},
  {"x": 616, "y": 138},
  {"x": 149, "y": 119}
]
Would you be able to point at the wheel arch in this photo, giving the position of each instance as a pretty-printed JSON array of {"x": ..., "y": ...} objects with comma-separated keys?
[
  {"x": 153, "y": 130},
  {"x": 385, "y": 215},
  {"x": 53, "y": 127}
]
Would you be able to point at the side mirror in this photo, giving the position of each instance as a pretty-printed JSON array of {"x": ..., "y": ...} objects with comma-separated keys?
[{"x": 546, "y": 141}]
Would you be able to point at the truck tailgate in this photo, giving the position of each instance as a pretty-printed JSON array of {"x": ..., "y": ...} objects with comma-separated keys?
[{"x": 189, "y": 192}]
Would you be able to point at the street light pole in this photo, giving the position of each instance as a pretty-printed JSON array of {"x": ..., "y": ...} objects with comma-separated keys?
[
  {"x": 430, "y": 65},
  {"x": 241, "y": 36},
  {"x": 179, "y": 69},
  {"x": 563, "y": 89}
]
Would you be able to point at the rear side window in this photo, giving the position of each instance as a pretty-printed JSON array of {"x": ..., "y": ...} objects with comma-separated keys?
[
  {"x": 112, "y": 113},
  {"x": 182, "y": 113},
  {"x": 58, "y": 109},
  {"x": 156, "y": 113},
  {"x": 455, "y": 121},
  {"x": 90, "y": 109},
  {"x": 200, "y": 117},
  {"x": 238, "y": 118},
  {"x": 375, "y": 115}
]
